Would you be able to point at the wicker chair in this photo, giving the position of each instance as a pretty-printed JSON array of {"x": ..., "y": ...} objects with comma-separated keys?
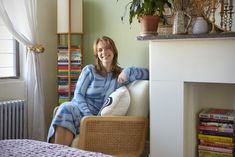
[{"x": 121, "y": 136}]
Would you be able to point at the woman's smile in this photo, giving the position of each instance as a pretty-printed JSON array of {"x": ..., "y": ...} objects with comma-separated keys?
[{"x": 105, "y": 53}]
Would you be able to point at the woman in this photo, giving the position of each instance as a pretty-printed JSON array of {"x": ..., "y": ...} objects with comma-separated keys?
[{"x": 93, "y": 87}]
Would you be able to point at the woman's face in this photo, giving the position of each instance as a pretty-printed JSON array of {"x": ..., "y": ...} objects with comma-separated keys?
[{"x": 105, "y": 53}]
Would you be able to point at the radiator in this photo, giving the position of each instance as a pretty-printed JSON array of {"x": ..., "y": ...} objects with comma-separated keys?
[{"x": 13, "y": 119}]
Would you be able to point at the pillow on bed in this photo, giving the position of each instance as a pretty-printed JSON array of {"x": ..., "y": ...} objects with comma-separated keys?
[{"x": 117, "y": 103}]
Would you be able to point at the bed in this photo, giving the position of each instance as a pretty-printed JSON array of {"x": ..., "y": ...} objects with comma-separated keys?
[{"x": 33, "y": 148}]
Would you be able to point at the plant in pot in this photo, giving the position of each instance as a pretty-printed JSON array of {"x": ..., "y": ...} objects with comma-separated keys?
[{"x": 148, "y": 13}]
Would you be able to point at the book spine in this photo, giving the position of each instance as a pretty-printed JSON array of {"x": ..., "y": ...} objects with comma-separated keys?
[
  {"x": 215, "y": 149},
  {"x": 216, "y": 133},
  {"x": 216, "y": 129},
  {"x": 217, "y": 144},
  {"x": 206, "y": 153},
  {"x": 226, "y": 125},
  {"x": 216, "y": 120},
  {"x": 212, "y": 138},
  {"x": 216, "y": 116}
]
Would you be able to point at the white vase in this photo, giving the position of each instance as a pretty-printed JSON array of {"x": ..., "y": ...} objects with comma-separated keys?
[{"x": 200, "y": 26}]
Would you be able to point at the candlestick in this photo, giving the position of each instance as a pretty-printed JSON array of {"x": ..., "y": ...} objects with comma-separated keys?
[
  {"x": 222, "y": 6},
  {"x": 213, "y": 21},
  {"x": 230, "y": 17},
  {"x": 225, "y": 16},
  {"x": 221, "y": 19},
  {"x": 212, "y": 4},
  {"x": 231, "y": 3}
]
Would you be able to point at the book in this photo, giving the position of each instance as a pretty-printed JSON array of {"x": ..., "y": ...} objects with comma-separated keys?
[
  {"x": 218, "y": 124},
  {"x": 206, "y": 153},
  {"x": 216, "y": 149},
  {"x": 78, "y": 67},
  {"x": 216, "y": 129},
  {"x": 212, "y": 138},
  {"x": 216, "y": 113},
  {"x": 216, "y": 120},
  {"x": 216, "y": 133},
  {"x": 217, "y": 144}
]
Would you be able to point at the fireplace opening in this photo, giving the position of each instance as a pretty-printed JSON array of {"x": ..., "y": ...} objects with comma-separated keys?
[{"x": 198, "y": 96}]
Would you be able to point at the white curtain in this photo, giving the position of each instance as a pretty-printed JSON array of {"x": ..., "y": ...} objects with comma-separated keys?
[{"x": 20, "y": 16}]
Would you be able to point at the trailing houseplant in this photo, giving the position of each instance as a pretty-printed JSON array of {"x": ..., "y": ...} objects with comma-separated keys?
[{"x": 152, "y": 9}]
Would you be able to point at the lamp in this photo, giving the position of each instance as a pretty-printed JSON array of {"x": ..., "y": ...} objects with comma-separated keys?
[{"x": 69, "y": 16}]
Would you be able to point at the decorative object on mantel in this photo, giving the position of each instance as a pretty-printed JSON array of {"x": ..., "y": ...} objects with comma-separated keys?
[
  {"x": 226, "y": 15},
  {"x": 164, "y": 29},
  {"x": 149, "y": 25},
  {"x": 146, "y": 10},
  {"x": 179, "y": 25},
  {"x": 182, "y": 20},
  {"x": 231, "y": 15},
  {"x": 165, "y": 25},
  {"x": 199, "y": 25},
  {"x": 220, "y": 14},
  {"x": 213, "y": 16}
]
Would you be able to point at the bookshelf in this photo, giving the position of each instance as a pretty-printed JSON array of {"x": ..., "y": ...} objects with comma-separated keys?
[{"x": 69, "y": 47}]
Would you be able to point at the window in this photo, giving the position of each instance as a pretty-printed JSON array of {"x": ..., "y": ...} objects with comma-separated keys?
[{"x": 9, "y": 54}]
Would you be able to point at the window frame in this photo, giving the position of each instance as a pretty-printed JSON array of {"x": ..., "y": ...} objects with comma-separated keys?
[{"x": 16, "y": 61}]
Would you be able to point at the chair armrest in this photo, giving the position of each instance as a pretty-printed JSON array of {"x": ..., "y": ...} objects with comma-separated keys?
[{"x": 114, "y": 135}]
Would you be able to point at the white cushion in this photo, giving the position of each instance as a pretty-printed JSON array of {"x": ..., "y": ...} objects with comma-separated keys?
[
  {"x": 117, "y": 104},
  {"x": 139, "y": 93}
]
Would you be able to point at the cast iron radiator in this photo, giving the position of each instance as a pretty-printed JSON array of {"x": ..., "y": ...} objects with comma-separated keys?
[{"x": 13, "y": 119}]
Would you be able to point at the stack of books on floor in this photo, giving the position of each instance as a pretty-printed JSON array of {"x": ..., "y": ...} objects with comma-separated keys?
[{"x": 216, "y": 133}]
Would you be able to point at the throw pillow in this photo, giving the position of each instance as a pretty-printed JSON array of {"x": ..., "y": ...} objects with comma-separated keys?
[{"x": 117, "y": 104}]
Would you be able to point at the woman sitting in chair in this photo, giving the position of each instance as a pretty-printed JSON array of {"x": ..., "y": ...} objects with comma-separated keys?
[{"x": 93, "y": 87}]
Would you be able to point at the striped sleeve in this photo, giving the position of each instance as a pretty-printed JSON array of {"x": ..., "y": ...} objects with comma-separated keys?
[
  {"x": 81, "y": 89},
  {"x": 135, "y": 73}
]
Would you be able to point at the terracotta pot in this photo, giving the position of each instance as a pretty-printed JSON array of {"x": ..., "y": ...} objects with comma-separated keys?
[{"x": 149, "y": 25}]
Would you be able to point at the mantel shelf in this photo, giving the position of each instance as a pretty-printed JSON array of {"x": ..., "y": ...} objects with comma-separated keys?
[{"x": 214, "y": 36}]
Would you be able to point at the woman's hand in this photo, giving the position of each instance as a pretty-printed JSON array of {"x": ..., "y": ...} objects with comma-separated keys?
[{"x": 122, "y": 78}]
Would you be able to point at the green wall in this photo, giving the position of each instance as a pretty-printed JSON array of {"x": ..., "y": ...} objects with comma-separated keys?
[{"x": 103, "y": 17}]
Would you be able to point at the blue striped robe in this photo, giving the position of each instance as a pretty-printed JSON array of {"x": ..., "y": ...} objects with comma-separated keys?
[{"x": 90, "y": 94}]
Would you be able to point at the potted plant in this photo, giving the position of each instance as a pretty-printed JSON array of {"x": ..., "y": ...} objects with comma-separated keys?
[{"x": 148, "y": 13}]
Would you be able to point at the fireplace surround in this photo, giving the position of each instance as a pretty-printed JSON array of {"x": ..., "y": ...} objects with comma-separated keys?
[{"x": 187, "y": 75}]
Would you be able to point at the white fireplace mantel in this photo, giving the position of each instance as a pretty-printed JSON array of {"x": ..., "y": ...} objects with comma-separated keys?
[{"x": 174, "y": 66}]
